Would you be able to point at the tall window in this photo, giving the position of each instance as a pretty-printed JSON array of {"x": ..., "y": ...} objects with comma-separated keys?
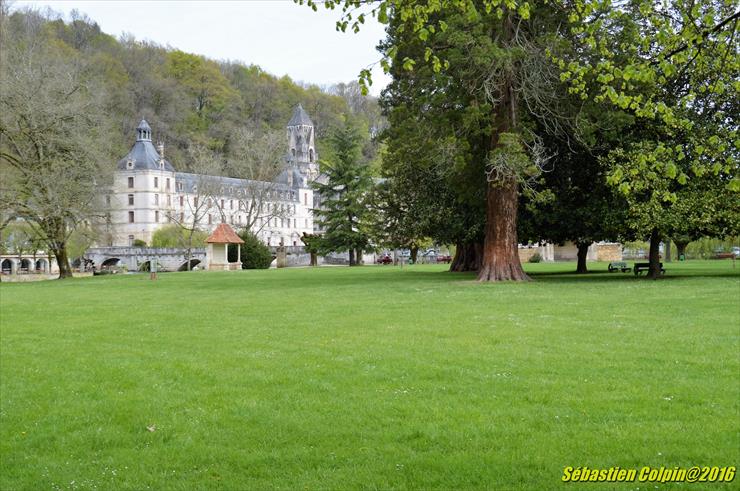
[
  {"x": 130, "y": 182},
  {"x": 182, "y": 201},
  {"x": 222, "y": 204},
  {"x": 130, "y": 240},
  {"x": 231, "y": 204},
  {"x": 156, "y": 216},
  {"x": 210, "y": 219},
  {"x": 130, "y": 217},
  {"x": 169, "y": 200},
  {"x": 131, "y": 199},
  {"x": 156, "y": 199},
  {"x": 305, "y": 199},
  {"x": 167, "y": 184},
  {"x": 156, "y": 182}
]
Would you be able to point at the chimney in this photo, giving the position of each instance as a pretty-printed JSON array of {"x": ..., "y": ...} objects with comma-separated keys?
[{"x": 160, "y": 149}]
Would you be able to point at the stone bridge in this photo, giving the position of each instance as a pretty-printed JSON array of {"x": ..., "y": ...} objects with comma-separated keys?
[
  {"x": 140, "y": 258},
  {"x": 27, "y": 263}
]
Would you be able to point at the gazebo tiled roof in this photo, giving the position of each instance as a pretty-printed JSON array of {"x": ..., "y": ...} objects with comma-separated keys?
[{"x": 224, "y": 234}]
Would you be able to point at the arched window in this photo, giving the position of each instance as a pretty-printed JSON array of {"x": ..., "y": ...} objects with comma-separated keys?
[{"x": 310, "y": 155}]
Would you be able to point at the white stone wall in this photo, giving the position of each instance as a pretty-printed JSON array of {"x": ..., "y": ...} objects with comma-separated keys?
[{"x": 154, "y": 207}]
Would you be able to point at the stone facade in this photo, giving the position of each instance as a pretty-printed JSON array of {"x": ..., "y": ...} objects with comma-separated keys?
[{"x": 149, "y": 193}]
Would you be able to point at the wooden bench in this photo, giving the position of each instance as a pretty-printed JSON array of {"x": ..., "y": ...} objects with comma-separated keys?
[
  {"x": 619, "y": 266},
  {"x": 640, "y": 267}
]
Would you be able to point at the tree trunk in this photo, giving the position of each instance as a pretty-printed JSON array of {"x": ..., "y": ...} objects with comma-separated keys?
[
  {"x": 467, "y": 257},
  {"x": 414, "y": 253},
  {"x": 681, "y": 249},
  {"x": 654, "y": 271},
  {"x": 582, "y": 253},
  {"x": 501, "y": 248},
  {"x": 358, "y": 257},
  {"x": 668, "y": 258},
  {"x": 351, "y": 257},
  {"x": 65, "y": 270},
  {"x": 314, "y": 259}
]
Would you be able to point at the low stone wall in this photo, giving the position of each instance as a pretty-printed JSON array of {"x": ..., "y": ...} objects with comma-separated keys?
[
  {"x": 609, "y": 252},
  {"x": 525, "y": 253}
]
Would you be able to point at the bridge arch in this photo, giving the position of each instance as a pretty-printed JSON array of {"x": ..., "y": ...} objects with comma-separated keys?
[
  {"x": 110, "y": 262},
  {"x": 8, "y": 266},
  {"x": 42, "y": 265},
  {"x": 193, "y": 263},
  {"x": 26, "y": 266}
]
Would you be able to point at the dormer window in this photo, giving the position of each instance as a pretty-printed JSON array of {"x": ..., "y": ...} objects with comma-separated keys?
[{"x": 130, "y": 164}]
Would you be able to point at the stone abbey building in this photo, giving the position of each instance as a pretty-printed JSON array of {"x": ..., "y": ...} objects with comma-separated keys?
[{"x": 148, "y": 193}]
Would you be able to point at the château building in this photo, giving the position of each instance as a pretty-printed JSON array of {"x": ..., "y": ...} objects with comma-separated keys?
[{"x": 148, "y": 193}]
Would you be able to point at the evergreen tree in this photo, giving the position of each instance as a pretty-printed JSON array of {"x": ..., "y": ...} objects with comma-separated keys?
[{"x": 343, "y": 211}]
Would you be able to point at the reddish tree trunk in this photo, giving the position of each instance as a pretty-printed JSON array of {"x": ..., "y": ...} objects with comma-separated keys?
[
  {"x": 467, "y": 257},
  {"x": 654, "y": 271},
  {"x": 501, "y": 248},
  {"x": 582, "y": 253}
]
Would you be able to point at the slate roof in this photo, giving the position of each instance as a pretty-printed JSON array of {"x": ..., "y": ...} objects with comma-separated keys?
[
  {"x": 300, "y": 117},
  {"x": 231, "y": 186},
  {"x": 144, "y": 156},
  {"x": 224, "y": 234}
]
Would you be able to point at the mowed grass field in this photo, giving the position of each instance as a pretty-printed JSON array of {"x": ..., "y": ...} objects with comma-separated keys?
[{"x": 367, "y": 378}]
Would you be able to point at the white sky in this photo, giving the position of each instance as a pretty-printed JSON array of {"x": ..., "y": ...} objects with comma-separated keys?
[{"x": 278, "y": 35}]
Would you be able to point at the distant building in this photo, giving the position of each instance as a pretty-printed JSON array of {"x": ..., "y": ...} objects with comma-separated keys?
[{"x": 148, "y": 192}]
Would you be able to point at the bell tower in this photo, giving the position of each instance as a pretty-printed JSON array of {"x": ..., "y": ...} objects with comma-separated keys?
[{"x": 302, "y": 144}]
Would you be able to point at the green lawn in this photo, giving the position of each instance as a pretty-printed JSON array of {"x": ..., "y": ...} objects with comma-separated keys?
[{"x": 367, "y": 378}]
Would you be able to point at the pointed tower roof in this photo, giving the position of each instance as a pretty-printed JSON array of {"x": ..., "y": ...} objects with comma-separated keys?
[
  {"x": 143, "y": 155},
  {"x": 224, "y": 234},
  {"x": 300, "y": 117}
]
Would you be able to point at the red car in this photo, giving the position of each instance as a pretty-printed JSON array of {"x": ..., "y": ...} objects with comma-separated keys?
[
  {"x": 444, "y": 259},
  {"x": 384, "y": 260}
]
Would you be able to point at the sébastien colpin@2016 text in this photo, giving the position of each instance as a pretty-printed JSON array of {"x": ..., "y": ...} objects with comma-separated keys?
[{"x": 649, "y": 474}]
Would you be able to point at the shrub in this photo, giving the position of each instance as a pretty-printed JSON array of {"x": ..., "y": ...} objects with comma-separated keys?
[
  {"x": 255, "y": 254},
  {"x": 139, "y": 243},
  {"x": 535, "y": 258}
]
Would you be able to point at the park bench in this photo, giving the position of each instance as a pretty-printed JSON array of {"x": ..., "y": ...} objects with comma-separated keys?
[
  {"x": 640, "y": 267},
  {"x": 619, "y": 266}
]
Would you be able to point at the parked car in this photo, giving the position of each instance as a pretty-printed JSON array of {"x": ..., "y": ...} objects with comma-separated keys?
[
  {"x": 442, "y": 258},
  {"x": 384, "y": 259},
  {"x": 736, "y": 251}
]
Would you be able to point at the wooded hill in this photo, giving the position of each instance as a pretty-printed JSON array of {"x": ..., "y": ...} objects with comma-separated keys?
[{"x": 186, "y": 97}]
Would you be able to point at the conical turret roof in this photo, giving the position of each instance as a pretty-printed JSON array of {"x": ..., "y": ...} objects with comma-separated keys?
[{"x": 300, "y": 117}]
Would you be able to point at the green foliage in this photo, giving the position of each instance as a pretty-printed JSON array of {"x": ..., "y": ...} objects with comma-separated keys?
[
  {"x": 343, "y": 211},
  {"x": 535, "y": 258},
  {"x": 254, "y": 253},
  {"x": 139, "y": 243},
  {"x": 176, "y": 236}
]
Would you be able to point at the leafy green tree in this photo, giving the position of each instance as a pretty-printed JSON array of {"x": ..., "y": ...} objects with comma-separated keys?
[
  {"x": 254, "y": 253},
  {"x": 175, "y": 236},
  {"x": 343, "y": 211}
]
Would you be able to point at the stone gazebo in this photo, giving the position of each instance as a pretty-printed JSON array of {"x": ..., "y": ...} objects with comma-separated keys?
[{"x": 218, "y": 249}]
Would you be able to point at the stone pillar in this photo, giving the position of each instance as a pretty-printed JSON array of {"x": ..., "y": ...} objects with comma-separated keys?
[{"x": 282, "y": 257}]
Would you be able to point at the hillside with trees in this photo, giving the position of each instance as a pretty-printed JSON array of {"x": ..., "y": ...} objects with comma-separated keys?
[{"x": 185, "y": 97}]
